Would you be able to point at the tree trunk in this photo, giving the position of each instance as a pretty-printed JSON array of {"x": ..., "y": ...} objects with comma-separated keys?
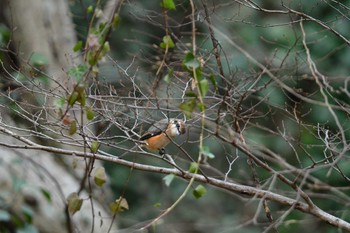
[{"x": 44, "y": 27}]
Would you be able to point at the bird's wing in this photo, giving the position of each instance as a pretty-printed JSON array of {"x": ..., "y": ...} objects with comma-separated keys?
[
  {"x": 156, "y": 129},
  {"x": 148, "y": 135}
]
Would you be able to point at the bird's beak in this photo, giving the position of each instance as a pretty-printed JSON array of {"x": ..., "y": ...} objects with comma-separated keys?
[{"x": 182, "y": 128}]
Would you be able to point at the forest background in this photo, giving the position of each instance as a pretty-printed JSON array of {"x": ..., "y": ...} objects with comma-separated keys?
[{"x": 262, "y": 87}]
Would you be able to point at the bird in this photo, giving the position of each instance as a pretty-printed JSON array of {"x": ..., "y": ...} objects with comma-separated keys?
[{"x": 161, "y": 133}]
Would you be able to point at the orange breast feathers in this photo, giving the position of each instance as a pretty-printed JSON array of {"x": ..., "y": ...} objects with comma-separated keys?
[{"x": 157, "y": 142}]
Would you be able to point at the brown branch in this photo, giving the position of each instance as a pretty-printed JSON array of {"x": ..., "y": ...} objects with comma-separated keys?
[{"x": 213, "y": 38}]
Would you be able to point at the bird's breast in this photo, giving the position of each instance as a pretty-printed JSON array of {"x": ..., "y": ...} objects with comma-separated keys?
[{"x": 157, "y": 142}]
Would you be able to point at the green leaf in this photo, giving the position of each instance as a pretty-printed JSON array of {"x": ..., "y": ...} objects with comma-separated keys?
[
  {"x": 199, "y": 74},
  {"x": 168, "y": 179},
  {"x": 203, "y": 86},
  {"x": 73, "y": 98},
  {"x": 94, "y": 146},
  {"x": 169, "y": 75},
  {"x": 5, "y": 34},
  {"x": 199, "y": 191},
  {"x": 158, "y": 204},
  {"x": 193, "y": 167},
  {"x": 168, "y": 4},
  {"x": 213, "y": 81},
  {"x": 167, "y": 41},
  {"x": 41, "y": 79},
  {"x": 205, "y": 150},
  {"x": 116, "y": 21},
  {"x": 78, "y": 72},
  {"x": 90, "y": 114},
  {"x": 119, "y": 205},
  {"x": 90, "y": 9},
  {"x": 73, "y": 128},
  {"x": 201, "y": 107},
  {"x": 38, "y": 60},
  {"x": 74, "y": 203},
  {"x": 59, "y": 102},
  {"x": 46, "y": 194},
  {"x": 188, "y": 107},
  {"x": 28, "y": 212},
  {"x": 190, "y": 62},
  {"x": 91, "y": 58},
  {"x": 100, "y": 177},
  {"x": 82, "y": 98},
  {"x": 106, "y": 48},
  {"x": 191, "y": 94},
  {"x": 78, "y": 46}
]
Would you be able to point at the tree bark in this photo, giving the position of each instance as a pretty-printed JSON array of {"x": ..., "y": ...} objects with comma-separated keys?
[{"x": 45, "y": 27}]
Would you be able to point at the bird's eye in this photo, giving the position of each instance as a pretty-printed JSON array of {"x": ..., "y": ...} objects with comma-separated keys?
[{"x": 177, "y": 125}]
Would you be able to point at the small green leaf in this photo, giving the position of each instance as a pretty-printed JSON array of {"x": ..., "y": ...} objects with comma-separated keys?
[
  {"x": 38, "y": 60},
  {"x": 106, "y": 48},
  {"x": 213, "y": 81},
  {"x": 90, "y": 9},
  {"x": 41, "y": 79},
  {"x": 205, "y": 150},
  {"x": 5, "y": 34},
  {"x": 199, "y": 74},
  {"x": 167, "y": 41},
  {"x": 100, "y": 177},
  {"x": 201, "y": 107},
  {"x": 82, "y": 98},
  {"x": 46, "y": 194},
  {"x": 158, "y": 204},
  {"x": 168, "y": 4},
  {"x": 168, "y": 179},
  {"x": 169, "y": 75},
  {"x": 59, "y": 102},
  {"x": 78, "y": 46},
  {"x": 191, "y": 94},
  {"x": 90, "y": 114},
  {"x": 190, "y": 62},
  {"x": 73, "y": 98},
  {"x": 199, "y": 191},
  {"x": 78, "y": 72},
  {"x": 28, "y": 212},
  {"x": 203, "y": 86},
  {"x": 119, "y": 205},
  {"x": 193, "y": 167},
  {"x": 188, "y": 107},
  {"x": 91, "y": 58},
  {"x": 116, "y": 21},
  {"x": 73, "y": 128},
  {"x": 101, "y": 26},
  {"x": 74, "y": 203},
  {"x": 94, "y": 146}
]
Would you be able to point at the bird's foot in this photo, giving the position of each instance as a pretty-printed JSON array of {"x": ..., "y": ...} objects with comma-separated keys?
[{"x": 162, "y": 151}]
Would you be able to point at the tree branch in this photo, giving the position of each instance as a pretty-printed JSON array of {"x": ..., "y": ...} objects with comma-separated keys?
[{"x": 220, "y": 184}]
